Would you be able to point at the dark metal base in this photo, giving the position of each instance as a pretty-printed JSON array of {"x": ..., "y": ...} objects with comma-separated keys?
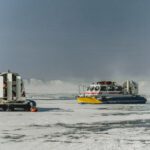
[
  {"x": 25, "y": 105},
  {"x": 124, "y": 100}
]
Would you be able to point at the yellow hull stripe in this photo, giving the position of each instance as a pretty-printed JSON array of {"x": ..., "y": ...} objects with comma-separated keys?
[{"x": 88, "y": 100}]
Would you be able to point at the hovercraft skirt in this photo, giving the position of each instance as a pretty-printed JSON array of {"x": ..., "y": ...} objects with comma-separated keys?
[{"x": 112, "y": 100}]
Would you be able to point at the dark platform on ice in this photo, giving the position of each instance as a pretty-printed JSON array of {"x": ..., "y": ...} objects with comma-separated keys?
[{"x": 124, "y": 99}]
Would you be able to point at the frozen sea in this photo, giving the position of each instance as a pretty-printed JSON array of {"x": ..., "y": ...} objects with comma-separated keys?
[{"x": 66, "y": 125}]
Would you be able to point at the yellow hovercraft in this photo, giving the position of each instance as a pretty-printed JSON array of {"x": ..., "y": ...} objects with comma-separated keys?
[{"x": 108, "y": 92}]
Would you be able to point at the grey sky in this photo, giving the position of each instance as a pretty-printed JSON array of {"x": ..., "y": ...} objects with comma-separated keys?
[{"x": 85, "y": 39}]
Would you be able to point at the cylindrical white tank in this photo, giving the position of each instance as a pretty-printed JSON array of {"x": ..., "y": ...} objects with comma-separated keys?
[
  {"x": 18, "y": 87},
  {"x": 1, "y": 87},
  {"x": 128, "y": 86},
  {"x": 9, "y": 86}
]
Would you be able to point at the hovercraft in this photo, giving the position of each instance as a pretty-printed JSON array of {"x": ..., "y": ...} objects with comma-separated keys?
[
  {"x": 12, "y": 93},
  {"x": 109, "y": 92}
]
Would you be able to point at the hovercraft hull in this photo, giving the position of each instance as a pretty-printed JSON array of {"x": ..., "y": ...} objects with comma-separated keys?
[{"x": 112, "y": 100}]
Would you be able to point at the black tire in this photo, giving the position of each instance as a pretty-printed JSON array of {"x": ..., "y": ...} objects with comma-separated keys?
[
  {"x": 4, "y": 108},
  {"x": 11, "y": 108},
  {"x": 28, "y": 107}
]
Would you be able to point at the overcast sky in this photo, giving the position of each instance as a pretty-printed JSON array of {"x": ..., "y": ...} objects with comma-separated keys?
[{"x": 81, "y": 39}]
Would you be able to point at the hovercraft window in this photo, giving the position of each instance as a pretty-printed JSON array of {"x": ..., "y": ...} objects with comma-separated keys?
[
  {"x": 92, "y": 88},
  {"x": 110, "y": 88},
  {"x": 103, "y": 88},
  {"x": 118, "y": 88},
  {"x": 97, "y": 88},
  {"x": 88, "y": 88}
]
